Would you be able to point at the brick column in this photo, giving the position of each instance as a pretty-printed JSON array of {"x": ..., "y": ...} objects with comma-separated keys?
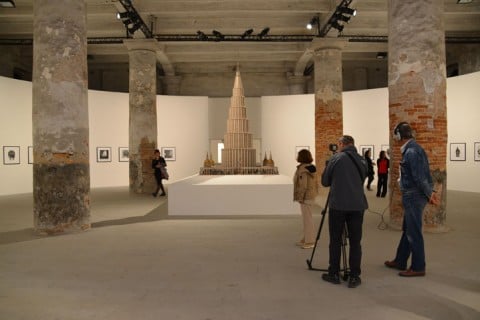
[
  {"x": 417, "y": 94},
  {"x": 143, "y": 113},
  {"x": 328, "y": 95},
  {"x": 61, "y": 168}
]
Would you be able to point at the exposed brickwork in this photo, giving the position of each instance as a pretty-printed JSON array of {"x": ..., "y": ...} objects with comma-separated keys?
[
  {"x": 417, "y": 95},
  {"x": 328, "y": 97}
]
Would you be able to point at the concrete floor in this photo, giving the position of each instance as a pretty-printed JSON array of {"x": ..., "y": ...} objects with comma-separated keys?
[{"x": 138, "y": 263}]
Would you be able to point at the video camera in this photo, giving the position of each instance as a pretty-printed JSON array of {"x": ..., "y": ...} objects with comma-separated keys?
[{"x": 333, "y": 148}]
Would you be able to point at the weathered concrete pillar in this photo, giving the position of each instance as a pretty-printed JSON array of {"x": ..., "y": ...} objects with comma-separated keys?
[
  {"x": 143, "y": 113},
  {"x": 61, "y": 170},
  {"x": 172, "y": 85},
  {"x": 328, "y": 95},
  {"x": 417, "y": 94},
  {"x": 297, "y": 84}
]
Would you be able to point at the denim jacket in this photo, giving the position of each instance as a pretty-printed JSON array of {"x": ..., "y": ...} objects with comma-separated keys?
[{"x": 415, "y": 173}]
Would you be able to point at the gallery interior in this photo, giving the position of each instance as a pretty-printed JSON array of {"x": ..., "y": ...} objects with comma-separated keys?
[{"x": 90, "y": 88}]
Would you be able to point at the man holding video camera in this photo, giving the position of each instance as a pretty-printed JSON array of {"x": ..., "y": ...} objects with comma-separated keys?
[{"x": 345, "y": 174}]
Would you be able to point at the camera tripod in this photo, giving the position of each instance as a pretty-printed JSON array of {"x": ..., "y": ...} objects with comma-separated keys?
[{"x": 344, "y": 270}]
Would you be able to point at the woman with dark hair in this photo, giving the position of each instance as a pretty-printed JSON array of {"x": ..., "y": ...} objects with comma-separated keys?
[
  {"x": 305, "y": 189},
  {"x": 158, "y": 164},
  {"x": 370, "y": 173},
  {"x": 383, "y": 163}
]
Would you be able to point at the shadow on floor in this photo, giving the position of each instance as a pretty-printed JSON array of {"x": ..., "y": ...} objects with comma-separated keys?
[{"x": 159, "y": 213}]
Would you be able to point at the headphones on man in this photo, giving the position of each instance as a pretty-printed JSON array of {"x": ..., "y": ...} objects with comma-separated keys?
[{"x": 402, "y": 131}]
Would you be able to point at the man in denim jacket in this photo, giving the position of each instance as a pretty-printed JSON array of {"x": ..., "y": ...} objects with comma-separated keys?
[{"x": 417, "y": 189}]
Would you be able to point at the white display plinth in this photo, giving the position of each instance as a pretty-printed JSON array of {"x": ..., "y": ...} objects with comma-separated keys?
[{"x": 232, "y": 195}]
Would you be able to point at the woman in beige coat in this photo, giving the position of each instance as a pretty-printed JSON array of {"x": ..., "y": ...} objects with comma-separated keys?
[{"x": 305, "y": 189}]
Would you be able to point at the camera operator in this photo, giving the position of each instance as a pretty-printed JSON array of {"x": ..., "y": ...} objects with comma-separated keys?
[{"x": 345, "y": 174}]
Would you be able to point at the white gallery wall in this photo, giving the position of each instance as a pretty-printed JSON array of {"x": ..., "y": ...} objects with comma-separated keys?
[{"x": 283, "y": 123}]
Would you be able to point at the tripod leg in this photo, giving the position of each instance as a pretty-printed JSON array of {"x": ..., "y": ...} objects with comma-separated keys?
[
  {"x": 345, "y": 269},
  {"x": 309, "y": 261}
]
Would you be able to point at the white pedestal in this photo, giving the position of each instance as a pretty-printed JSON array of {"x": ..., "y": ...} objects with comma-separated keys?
[{"x": 232, "y": 195}]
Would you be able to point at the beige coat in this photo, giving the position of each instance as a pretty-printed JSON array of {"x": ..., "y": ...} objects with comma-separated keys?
[{"x": 305, "y": 183}]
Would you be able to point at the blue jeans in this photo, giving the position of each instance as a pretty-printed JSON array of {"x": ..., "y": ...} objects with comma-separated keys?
[
  {"x": 336, "y": 222},
  {"x": 411, "y": 241}
]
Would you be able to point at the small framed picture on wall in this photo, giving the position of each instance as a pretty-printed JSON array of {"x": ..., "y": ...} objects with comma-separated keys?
[
  {"x": 169, "y": 153},
  {"x": 123, "y": 154},
  {"x": 476, "y": 151},
  {"x": 30, "y": 155},
  {"x": 365, "y": 148},
  {"x": 457, "y": 151},
  {"x": 104, "y": 154},
  {"x": 11, "y": 155}
]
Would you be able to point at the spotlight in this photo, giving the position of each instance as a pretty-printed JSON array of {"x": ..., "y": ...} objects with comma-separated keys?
[
  {"x": 7, "y": 4},
  {"x": 381, "y": 55},
  {"x": 247, "y": 33},
  {"x": 341, "y": 17},
  {"x": 122, "y": 15},
  {"x": 264, "y": 32},
  {"x": 218, "y": 35},
  {"x": 337, "y": 26},
  {"x": 134, "y": 28},
  {"x": 201, "y": 36},
  {"x": 348, "y": 11},
  {"x": 314, "y": 21}
]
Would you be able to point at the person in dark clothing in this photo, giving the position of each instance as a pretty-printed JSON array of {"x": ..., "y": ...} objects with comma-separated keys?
[
  {"x": 383, "y": 164},
  {"x": 345, "y": 174},
  {"x": 159, "y": 164},
  {"x": 370, "y": 172}
]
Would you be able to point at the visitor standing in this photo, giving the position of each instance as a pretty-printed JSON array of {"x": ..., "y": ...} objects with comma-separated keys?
[
  {"x": 383, "y": 165},
  {"x": 159, "y": 164},
  {"x": 305, "y": 190}
]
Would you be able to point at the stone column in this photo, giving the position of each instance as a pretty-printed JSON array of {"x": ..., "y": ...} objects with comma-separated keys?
[
  {"x": 417, "y": 94},
  {"x": 297, "y": 84},
  {"x": 172, "y": 85},
  {"x": 61, "y": 169},
  {"x": 328, "y": 95},
  {"x": 143, "y": 113}
]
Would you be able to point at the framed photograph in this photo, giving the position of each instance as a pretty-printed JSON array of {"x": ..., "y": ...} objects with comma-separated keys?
[
  {"x": 123, "y": 154},
  {"x": 364, "y": 149},
  {"x": 11, "y": 155},
  {"x": 457, "y": 151},
  {"x": 476, "y": 151},
  {"x": 30, "y": 154},
  {"x": 104, "y": 154},
  {"x": 168, "y": 153},
  {"x": 298, "y": 148}
]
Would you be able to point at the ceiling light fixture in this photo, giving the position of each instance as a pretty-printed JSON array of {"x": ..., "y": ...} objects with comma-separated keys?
[
  {"x": 463, "y": 1},
  {"x": 218, "y": 35},
  {"x": 246, "y": 33},
  {"x": 314, "y": 22},
  {"x": 122, "y": 15},
  {"x": 7, "y": 4},
  {"x": 264, "y": 32},
  {"x": 202, "y": 36}
]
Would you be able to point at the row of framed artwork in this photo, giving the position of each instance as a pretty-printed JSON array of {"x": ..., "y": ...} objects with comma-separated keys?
[
  {"x": 104, "y": 154},
  {"x": 458, "y": 151},
  {"x": 11, "y": 154}
]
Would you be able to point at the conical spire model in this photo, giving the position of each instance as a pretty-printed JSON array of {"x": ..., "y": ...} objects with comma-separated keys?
[{"x": 238, "y": 151}]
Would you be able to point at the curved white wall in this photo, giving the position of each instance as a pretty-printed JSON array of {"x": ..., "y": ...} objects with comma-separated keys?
[{"x": 285, "y": 122}]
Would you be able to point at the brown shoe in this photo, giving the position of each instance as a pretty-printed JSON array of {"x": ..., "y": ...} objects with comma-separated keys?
[
  {"x": 393, "y": 265},
  {"x": 411, "y": 273}
]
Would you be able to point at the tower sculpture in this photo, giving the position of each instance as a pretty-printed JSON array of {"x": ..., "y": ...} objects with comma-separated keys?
[
  {"x": 238, "y": 142},
  {"x": 238, "y": 154}
]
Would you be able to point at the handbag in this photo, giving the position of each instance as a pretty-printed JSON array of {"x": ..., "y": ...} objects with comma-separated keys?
[{"x": 164, "y": 172}]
